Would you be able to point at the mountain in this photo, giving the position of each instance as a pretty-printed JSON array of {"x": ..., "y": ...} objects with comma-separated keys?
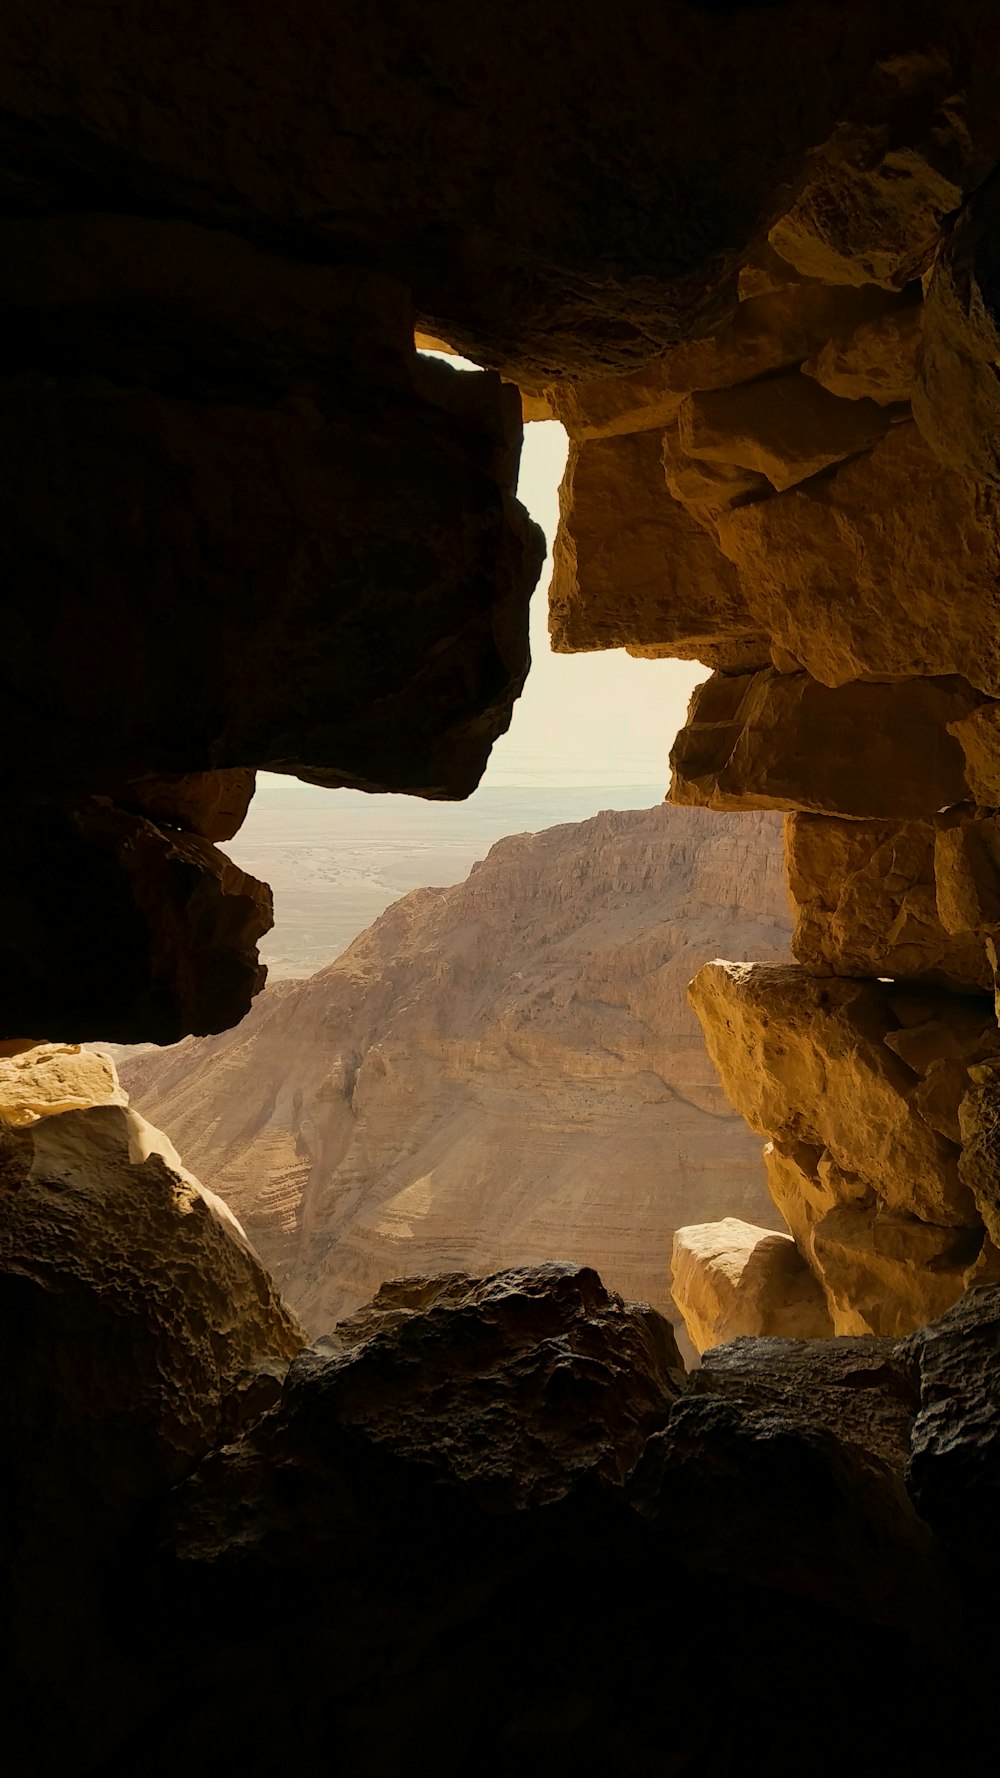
[{"x": 498, "y": 1072}]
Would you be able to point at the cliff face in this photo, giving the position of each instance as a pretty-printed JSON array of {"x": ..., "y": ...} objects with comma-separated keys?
[{"x": 496, "y": 1073}]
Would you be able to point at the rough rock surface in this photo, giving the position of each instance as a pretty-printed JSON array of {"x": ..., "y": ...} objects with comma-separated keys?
[
  {"x": 815, "y": 564},
  {"x": 860, "y": 1086},
  {"x": 775, "y": 740},
  {"x": 729, "y": 1278},
  {"x": 786, "y": 428},
  {"x": 157, "y": 937},
  {"x": 954, "y": 1466},
  {"x": 956, "y": 402},
  {"x": 42, "y": 1079},
  {"x": 520, "y": 1418},
  {"x": 137, "y": 1329},
  {"x": 910, "y": 899},
  {"x": 497, "y": 1073},
  {"x": 877, "y": 361},
  {"x": 659, "y": 580}
]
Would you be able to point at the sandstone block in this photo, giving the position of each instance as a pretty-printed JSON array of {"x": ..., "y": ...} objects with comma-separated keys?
[
  {"x": 887, "y": 1273},
  {"x": 770, "y": 740},
  {"x": 42, "y": 1079},
  {"x": 978, "y": 734},
  {"x": 785, "y": 428},
  {"x": 818, "y": 1062},
  {"x": 816, "y": 561},
  {"x": 956, "y": 402},
  {"x": 729, "y": 1278},
  {"x": 703, "y": 487},
  {"x": 632, "y": 568},
  {"x": 877, "y": 362},
  {"x": 906, "y": 899}
]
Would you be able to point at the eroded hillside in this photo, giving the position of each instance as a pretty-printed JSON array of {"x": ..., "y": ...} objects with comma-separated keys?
[{"x": 496, "y": 1073}]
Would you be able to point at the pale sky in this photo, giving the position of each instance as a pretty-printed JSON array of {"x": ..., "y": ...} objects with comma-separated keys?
[{"x": 591, "y": 717}]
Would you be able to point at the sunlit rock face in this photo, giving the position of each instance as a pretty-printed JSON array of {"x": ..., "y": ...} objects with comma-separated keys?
[
  {"x": 729, "y": 1278},
  {"x": 138, "y": 1328}
]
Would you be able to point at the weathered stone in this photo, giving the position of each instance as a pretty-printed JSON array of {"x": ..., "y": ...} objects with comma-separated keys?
[
  {"x": 772, "y": 331},
  {"x": 877, "y": 361},
  {"x": 771, "y": 740},
  {"x": 979, "y": 1118},
  {"x": 633, "y": 569},
  {"x": 978, "y": 734},
  {"x": 211, "y": 804},
  {"x": 706, "y": 488},
  {"x": 956, "y": 400},
  {"x": 873, "y": 206},
  {"x": 895, "y": 898},
  {"x": 157, "y": 938},
  {"x": 886, "y": 1273},
  {"x": 281, "y": 455},
  {"x": 811, "y": 1061},
  {"x": 954, "y": 1468},
  {"x": 815, "y": 564},
  {"x": 137, "y": 1327},
  {"x": 729, "y": 1278},
  {"x": 785, "y": 428},
  {"x": 42, "y": 1079}
]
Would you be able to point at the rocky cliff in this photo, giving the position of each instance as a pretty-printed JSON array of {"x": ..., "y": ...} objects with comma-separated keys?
[{"x": 496, "y": 1073}]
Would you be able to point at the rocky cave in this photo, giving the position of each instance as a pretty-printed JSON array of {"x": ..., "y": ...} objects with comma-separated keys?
[{"x": 746, "y": 253}]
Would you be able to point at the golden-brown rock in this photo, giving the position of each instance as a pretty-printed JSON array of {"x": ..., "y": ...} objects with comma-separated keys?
[
  {"x": 978, "y": 734},
  {"x": 888, "y": 566},
  {"x": 632, "y": 568},
  {"x": 905, "y": 899},
  {"x": 211, "y": 804},
  {"x": 773, "y": 740},
  {"x": 729, "y": 1278},
  {"x": 42, "y": 1079},
  {"x": 956, "y": 402},
  {"x": 785, "y": 428},
  {"x": 850, "y": 1068},
  {"x": 876, "y": 362}
]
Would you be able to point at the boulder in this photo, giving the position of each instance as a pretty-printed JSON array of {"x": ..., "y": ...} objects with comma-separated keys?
[
  {"x": 851, "y": 1068},
  {"x": 157, "y": 938},
  {"x": 137, "y": 1330},
  {"x": 632, "y": 568},
  {"x": 877, "y": 362},
  {"x": 956, "y": 402},
  {"x": 773, "y": 740},
  {"x": 786, "y": 428},
  {"x": 817, "y": 564},
  {"x": 729, "y": 1278},
  {"x": 978, "y": 735},
  {"x": 907, "y": 899},
  {"x": 42, "y": 1079},
  {"x": 873, "y": 205},
  {"x": 954, "y": 1467}
]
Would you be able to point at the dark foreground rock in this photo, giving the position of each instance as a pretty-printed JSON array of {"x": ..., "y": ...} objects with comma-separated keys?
[{"x": 491, "y": 1526}]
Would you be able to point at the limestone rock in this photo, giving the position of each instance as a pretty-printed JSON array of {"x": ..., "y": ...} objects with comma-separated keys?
[
  {"x": 137, "y": 1330},
  {"x": 210, "y": 804},
  {"x": 815, "y": 563},
  {"x": 877, "y": 361},
  {"x": 518, "y": 1418},
  {"x": 874, "y": 203},
  {"x": 494, "y": 1074},
  {"x": 907, "y": 899},
  {"x": 632, "y": 568},
  {"x": 42, "y": 1079},
  {"x": 706, "y": 488},
  {"x": 956, "y": 402},
  {"x": 978, "y": 734},
  {"x": 772, "y": 330},
  {"x": 771, "y": 740},
  {"x": 886, "y": 1273},
  {"x": 157, "y": 938},
  {"x": 954, "y": 1467},
  {"x": 729, "y": 1278},
  {"x": 817, "y": 1061},
  {"x": 785, "y": 428}
]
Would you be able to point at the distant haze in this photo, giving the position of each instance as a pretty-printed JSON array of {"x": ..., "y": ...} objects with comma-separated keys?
[{"x": 590, "y": 732}]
